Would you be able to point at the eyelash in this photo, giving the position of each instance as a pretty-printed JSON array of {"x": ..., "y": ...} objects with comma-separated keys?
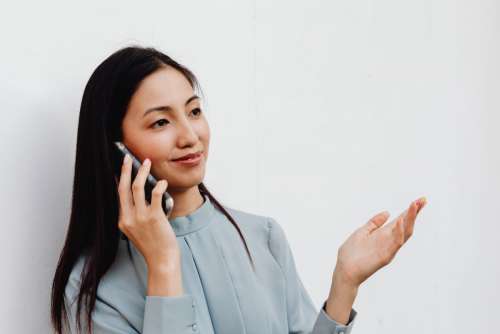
[{"x": 163, "y": 119}]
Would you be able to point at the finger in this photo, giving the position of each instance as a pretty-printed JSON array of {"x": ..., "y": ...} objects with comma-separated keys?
[
  {"x": 398, "y": 233},
  {"x": 376, "y": 221},
  {"x": 410, "y": 217},
  {"x": 422, "y": 201},
  {"x": 157, "y": 195},
  {"x": 126, "y": 201},
  {"x": 138, "y": 187},
  {"x": 389, "y": 226}
]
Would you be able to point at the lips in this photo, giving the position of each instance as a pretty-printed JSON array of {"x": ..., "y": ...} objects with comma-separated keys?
[{"x": 189, "y": 156}]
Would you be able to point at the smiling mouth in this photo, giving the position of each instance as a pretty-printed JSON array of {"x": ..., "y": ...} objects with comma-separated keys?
[{"x": 189, "y": 157}]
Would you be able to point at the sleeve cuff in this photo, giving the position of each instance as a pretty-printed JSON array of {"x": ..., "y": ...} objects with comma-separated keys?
[
  {"x": 325, "y": 324},
  {"x": 169, "y": 315}
]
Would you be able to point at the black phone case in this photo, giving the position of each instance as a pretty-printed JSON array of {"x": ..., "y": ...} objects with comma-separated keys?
[{"x": 167, "y": 202}]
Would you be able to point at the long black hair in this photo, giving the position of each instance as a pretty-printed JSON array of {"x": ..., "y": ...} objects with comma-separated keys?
[{"x": 93, "y": 225}]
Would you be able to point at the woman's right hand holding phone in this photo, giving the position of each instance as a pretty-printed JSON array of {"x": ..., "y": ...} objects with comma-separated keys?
[{"x": 149, "y": 229}]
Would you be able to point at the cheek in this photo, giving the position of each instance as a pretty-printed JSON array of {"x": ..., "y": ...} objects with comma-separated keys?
[
  {"x": 204, "y": 134},
  {"x": 160, "y": 149}
]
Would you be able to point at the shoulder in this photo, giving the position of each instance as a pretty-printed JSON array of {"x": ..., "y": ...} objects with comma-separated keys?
[
  {"x": 121, "y": 280},
  {"x": 119, "y": 294},
  {"x": 74, "y": 280},
  {"x": 266, "y": 226},
  {"x": 250, "y": 222}
]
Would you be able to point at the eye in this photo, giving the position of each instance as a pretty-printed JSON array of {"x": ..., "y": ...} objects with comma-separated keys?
[
  {"x": 198, "y": 110},
  {"x": 159, "y": 121}
]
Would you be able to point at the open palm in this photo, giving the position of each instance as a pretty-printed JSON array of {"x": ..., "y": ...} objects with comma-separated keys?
[{"x": 374, "y": 245}]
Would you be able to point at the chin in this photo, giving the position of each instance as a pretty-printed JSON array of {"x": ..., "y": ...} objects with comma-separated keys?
[{"x": 186, "y": 180}]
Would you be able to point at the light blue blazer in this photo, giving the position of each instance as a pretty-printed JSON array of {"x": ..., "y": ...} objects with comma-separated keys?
[{"x": 222, "y": 294}]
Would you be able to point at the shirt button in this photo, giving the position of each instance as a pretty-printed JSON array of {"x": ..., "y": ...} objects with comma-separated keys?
[{"x": 194, "y": 327}]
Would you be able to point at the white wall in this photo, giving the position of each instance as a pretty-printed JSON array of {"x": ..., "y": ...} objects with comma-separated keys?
[{"x": 322, "y": 114}]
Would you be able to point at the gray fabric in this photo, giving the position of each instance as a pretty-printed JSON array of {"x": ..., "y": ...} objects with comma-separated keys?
[{"x": 222, "y": 294}]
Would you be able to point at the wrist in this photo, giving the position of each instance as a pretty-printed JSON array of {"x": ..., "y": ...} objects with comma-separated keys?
[
  {"x": 342, "y": 280},
  {"x": 166, "y": 265},
  {"x": 165, "y": 281},
  {"x": 169, "y": 269},
  {"x": 342, "y": 294},
  {"x": 341, "y": 298}
]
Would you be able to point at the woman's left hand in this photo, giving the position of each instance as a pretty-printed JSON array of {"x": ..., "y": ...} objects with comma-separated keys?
[{"x": 374, "y": 245}]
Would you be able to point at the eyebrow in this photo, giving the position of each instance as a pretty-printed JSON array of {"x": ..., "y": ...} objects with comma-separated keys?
[{"x": 168, "y": 108}]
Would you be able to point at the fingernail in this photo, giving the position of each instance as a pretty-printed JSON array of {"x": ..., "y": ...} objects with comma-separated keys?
[
  {"x": 145, "y": 162},
  {"x": 127, "y": 158}
]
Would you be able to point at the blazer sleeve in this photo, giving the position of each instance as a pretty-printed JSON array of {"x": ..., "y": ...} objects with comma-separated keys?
[
  {"x": 301, "y": 313},
  {"x": 174, "y": 314}
]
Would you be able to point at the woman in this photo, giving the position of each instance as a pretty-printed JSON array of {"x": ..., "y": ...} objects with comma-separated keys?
[{"x": 128, "y": 268}]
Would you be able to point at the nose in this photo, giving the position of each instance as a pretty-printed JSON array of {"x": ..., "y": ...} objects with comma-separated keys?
[{"x": 186, "y": 134}]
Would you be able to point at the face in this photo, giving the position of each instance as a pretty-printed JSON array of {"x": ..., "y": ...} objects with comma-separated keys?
[{"x": 177, "y": 129}]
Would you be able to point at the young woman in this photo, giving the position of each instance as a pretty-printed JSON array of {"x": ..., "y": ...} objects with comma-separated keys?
[{"x": 128, "y": 268}]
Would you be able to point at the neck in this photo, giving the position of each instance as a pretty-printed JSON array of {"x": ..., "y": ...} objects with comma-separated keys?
[{"x": 185, "y": 201}]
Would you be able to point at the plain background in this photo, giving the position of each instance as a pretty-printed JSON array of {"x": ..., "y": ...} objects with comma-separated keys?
[{"x": 322, "y": 114}]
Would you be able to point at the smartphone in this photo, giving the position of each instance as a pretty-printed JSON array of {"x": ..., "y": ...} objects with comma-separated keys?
[{"x": 167, "y": 201}]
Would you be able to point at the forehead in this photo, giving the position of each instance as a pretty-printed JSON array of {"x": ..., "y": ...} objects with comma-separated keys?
[{"x": 166, "y": 86}]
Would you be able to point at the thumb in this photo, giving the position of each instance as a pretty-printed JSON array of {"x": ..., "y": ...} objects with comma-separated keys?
[{"x": 376, "y": 221}]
